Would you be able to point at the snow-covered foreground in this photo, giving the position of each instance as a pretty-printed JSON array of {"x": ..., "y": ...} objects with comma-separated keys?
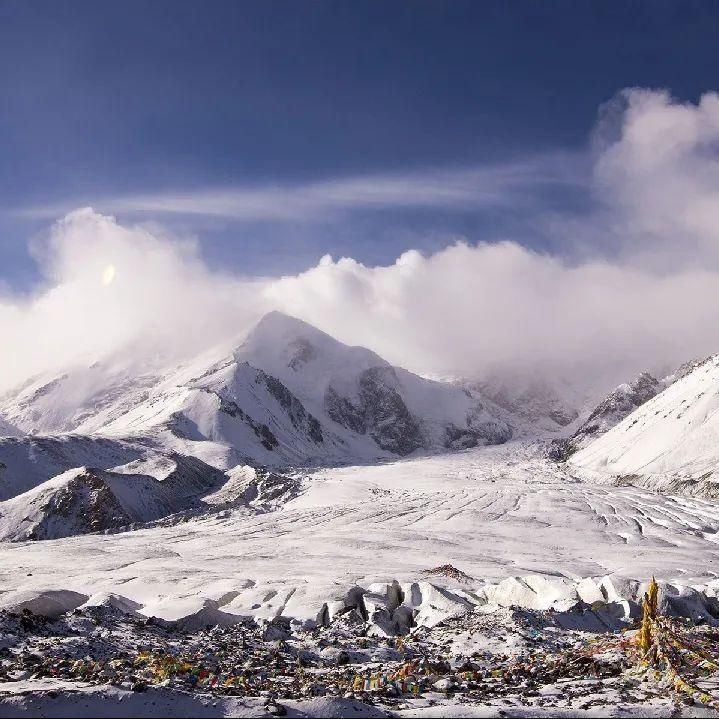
[
  {"x": 493, "y": 513},
  {"x": 296, "y": 570}
]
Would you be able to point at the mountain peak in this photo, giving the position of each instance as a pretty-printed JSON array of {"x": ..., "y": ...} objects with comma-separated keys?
[
  {"x": 276, "y": 325},
  {"x": 282, "y": 342}
]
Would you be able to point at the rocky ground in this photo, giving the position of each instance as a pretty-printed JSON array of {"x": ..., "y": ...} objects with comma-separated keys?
[{"x": 491, "y": 661}]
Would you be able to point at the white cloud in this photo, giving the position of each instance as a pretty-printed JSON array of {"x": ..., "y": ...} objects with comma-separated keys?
[
  {"x": 161, "y": 298},
  {"x": 650, "y": 302},
  {"x": 660, "y": 179}
]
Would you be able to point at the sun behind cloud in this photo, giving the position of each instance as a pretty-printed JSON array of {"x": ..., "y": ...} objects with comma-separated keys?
[{"x": 108, "y": 275}]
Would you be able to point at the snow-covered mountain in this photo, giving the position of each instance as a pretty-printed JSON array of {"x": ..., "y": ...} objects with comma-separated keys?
[
  {"x": 355, "y": 392},
  {"x": 287, "y": 395},
  {"x": 614, "y": 407},
  {"x": 670, "y": 442},
  {"x": 619, "y": 403}
]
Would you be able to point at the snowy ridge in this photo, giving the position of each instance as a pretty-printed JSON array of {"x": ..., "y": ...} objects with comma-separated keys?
[
  {"x": 26, "y": 462},
  {"x": 85, "y": 500},
  {"x": 671, "y": 442},
  {"x": 618, "y": 404}
]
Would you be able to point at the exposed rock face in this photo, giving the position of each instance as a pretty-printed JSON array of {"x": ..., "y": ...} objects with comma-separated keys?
[
  {"x": 389, "y": 421},
  {"x": 301, "y": 419},
  {"x": 84, "y": 504},
  {"x": 379, "y": 411},
  {"x": 344, "y": 412}
]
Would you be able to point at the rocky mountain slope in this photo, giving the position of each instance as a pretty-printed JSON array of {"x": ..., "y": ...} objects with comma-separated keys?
[
  {"x": 614, "y": 407},
  {"x": 619, "y": 403}
]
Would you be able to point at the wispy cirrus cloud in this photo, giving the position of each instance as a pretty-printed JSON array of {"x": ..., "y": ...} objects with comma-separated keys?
[{"x": 465, "y": 188}]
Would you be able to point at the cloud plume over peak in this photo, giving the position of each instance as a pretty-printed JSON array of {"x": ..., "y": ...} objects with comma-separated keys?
[{"x": 643, "y": 297}]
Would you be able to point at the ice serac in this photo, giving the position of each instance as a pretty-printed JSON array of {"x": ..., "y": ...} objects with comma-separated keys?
[
  {"x": 670, "y": 442},
  {"x": 362, "y": 398}
]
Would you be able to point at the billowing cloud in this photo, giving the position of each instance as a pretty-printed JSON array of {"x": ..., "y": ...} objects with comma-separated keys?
[
  {"x": 112, "y": 289},
  {"x": 659, "y": 179},
  {"x": 636, "y": 289}
]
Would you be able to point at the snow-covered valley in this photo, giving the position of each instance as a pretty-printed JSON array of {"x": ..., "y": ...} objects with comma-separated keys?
[{"x": 489, "y": 512}]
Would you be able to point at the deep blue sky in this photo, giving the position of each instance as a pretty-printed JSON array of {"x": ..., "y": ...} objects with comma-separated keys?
[{"x": 106, "y": 99}]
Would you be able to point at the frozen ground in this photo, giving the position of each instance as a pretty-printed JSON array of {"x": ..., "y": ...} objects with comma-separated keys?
[{"x": 489, "y": 662}]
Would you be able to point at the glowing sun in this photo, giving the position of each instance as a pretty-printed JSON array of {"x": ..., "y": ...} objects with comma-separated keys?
[{"x": 108, "y": 275}]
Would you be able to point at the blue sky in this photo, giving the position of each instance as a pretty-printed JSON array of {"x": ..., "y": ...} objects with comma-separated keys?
[{"x": 277, "y": 132}]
